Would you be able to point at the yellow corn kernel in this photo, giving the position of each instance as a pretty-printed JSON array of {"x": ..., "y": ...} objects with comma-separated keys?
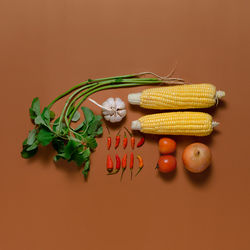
[
  {"x": 187, "y": 96},
  {"x": 176, "y": 123}
]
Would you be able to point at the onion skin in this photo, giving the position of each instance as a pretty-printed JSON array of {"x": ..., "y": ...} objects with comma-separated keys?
[{"x": 196, "y": 157}]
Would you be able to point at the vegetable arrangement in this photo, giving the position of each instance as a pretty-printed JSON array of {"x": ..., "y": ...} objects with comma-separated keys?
[{"x": 76, "y": 144}]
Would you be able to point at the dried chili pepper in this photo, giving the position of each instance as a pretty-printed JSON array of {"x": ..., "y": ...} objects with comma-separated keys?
[
  {"x": 141, "y": 142},
  {"x": 141, "y": 165},
  {"x": 131, "y": 164},
  {"x": 118, "y": 165},
  {"x": 132, "y": 138},
  {"x": 125, "y": 140},
  {"x": 124, "y": 164},
  {"x": 117, "y": 139},
  {"x": 109, "y": 164}
]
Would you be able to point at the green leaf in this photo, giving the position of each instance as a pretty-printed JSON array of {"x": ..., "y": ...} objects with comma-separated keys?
[
  {"x": 88, "y": 114},
  {"x": 93, "y": 126},
  {"x": 44, "y": 136},
  {"x": 98, "y": 117},
  {"x": 31, "y": 137},
  {"x": 57, "y": 157},
  {"x": 99, "y": 131},
  {"x": 86, "y": 169},
  {"x": 33, "y": 146},
  {"x": 39, "y": 120},
  {"x": 55, "y": 124},
  {"x": 25, "y": 142},
  {"x": 58, "y": 144},
  {"x": 76, "y": 117},
  {"x": 86, "y": 154},
  {"x": 91, "y": 142},
  {"x": 35, "y": 108},
  {"x": 46, "y": 115},
  {"x": 81, "y": 127},
  {"x": 78, "y": 158},
  {"x": 70, "y": 148},
  {"x": 27, "y": 154}
]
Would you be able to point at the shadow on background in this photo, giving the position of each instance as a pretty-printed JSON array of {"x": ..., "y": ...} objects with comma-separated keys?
[
  {"x": 169, "y": 176},
  {"x": 200, "y": 179}
]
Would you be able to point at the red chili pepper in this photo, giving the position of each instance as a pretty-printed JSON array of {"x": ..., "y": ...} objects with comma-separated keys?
[
  {"x": 125, "y": 140},
  {"x": 108, "y": 142},
  {"x": 108, "y": 139},
  {"x": 124, "y": 164},
  {"x": 132, "y": 138},
  {"x": 109, "y": 164},
  {"x": 140, "y": 164},
  {"x": 131, "y": 164},
  {"x": 117, "y": 139},
  {"x": 118, "y": 165},
  {"x": 141, "y": 142}
]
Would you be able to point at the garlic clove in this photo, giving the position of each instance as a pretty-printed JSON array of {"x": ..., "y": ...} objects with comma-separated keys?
[
  {"x": 113, "y": 118},
  {"x": 107, "y": 112},
  {"x": 111, "y": 102},
  {"x": 107, "y": 117},
  {"x": 106, "y": 105},
  {"x": 119, "y": 103},
  {"x": 118, "y": 118},
  {"x": 122, "y": 113}
]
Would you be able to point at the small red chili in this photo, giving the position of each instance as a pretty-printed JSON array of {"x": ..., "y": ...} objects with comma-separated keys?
[
  {"x": 117, "y": 139},
  {"x": 108, "y": 138},
  {"x": 141, "y": 142},
  {"x": 118, "y": 165},
  {"x": 108, "y": 142},
  {"x": 132, "y": 138},
  {"x": 140, "y": 164},
  {"x": 124, "y": 164},
  {"x": 109, "y": 164},
  {"x": 125, "y": 141},
  {"x": 131, "y": 164}
]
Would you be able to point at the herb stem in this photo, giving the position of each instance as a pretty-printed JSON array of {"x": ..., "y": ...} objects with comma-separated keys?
[{"x": 89, "y": 82}]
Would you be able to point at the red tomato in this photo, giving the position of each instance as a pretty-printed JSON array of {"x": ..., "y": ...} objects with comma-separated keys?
[
  {"x": 167, "y": 145},
  {"x": 166, "y": 163}
]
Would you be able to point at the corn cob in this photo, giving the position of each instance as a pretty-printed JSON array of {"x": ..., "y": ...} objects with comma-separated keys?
[
  {"x": 176, "y": 123},
  {"x": 187, "y": 96}
]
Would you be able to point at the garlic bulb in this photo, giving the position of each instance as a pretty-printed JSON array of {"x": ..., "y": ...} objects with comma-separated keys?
[{"x": 113, "y": 109}]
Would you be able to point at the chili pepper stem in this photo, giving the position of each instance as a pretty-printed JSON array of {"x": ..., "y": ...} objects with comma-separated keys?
[
  {"x": 114, "y": 172},
  {"x": 123, "y": 170},
  {"x": 139, "y": 170},
  {"x": 131, "y": 173},
  {"x": 129, "y": 132}
]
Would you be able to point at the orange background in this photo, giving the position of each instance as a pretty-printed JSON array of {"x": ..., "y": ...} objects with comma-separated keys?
[{"x": 49, "y": 46}]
